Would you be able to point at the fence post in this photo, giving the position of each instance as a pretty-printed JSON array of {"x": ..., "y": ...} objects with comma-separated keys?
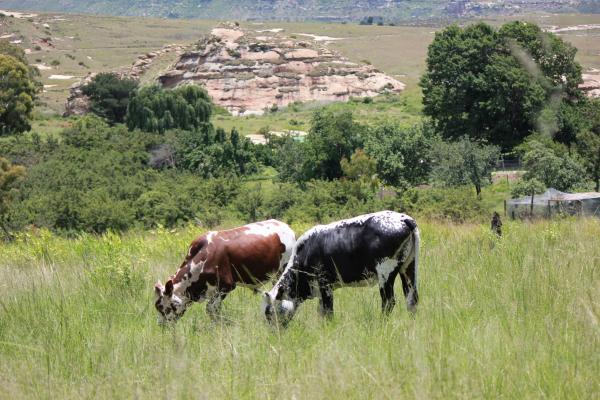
[{"x": 531, "y": 208}]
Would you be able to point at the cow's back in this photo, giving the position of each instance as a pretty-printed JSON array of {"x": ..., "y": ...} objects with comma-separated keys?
[
  {"x": 255, "y": 251},
  {"x": 350, "y": 249}
]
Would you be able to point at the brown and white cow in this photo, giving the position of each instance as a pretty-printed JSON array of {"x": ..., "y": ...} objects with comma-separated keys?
[{"x": 218, "y": 261}]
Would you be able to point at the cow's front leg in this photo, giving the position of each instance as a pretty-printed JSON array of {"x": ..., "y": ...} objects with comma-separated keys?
[
  {"x": 326, "y": 301},
  {"x": 213, "y": 305}
]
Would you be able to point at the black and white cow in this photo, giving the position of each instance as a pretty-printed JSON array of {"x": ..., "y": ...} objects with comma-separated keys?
[{"x": 357, "y": 251}]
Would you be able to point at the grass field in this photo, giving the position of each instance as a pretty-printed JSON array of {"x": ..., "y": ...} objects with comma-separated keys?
[{"x": 511, "y": 318}]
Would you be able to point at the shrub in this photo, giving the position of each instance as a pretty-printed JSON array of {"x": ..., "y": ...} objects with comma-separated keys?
[
  {"x": 110, "y": 95},
  {"x": 154, "y": 109}
]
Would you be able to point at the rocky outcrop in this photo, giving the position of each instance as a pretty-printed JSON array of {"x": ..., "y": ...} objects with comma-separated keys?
[
  {"x": 591, "y": 84},
  {"x": 248, "y": 72},
  {"x": 77, "y": 102}
]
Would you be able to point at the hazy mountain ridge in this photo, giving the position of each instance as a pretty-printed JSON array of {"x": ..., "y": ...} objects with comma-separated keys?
[{"x": 387, "y": 10}]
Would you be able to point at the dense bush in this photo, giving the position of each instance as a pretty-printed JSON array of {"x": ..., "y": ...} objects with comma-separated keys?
[
  {"x": 211, "y": 153},
  {"x": 99, "y": 178},
  {"x": 109, "y": 96},
  {"x": 153, "y": 109}
]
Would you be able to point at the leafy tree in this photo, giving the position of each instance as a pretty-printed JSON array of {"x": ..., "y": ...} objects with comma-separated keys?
[
  {"x": 493, "y": 84},
  {"x": 17, "y": 95},
  {"x": 463, "y": 162},
  {"x": 153, "y": 109},
  {"x": 551, "y": 165},
  {"x": 211, "y": 153},
  {"x": 289, "y": 158},
  {"x": 588, "y": 141},
  {"x": 527, "y": 187},
  {"x": 332, "y": 137},
  {"x": 361, "y": 174},
  {"x": 401, "y": 155},
  {"x": 17, "y": 52},
  {"x": 109, "y": 96},
  {"x": 10, "y": 178},
  {"x": 250, "y": 202}
]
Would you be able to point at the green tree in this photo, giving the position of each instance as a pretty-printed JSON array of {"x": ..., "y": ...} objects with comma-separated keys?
[
  {"x": 17, "y": 95},
  {"x": 250, "y": 202},
  {"x": 361, "y": 173},
  {"x": 17, "y": 52},
  {"x": 493, "y": 84},
  {"x": 153, "y": 109},
  {"x": 588, "y": 141},
  {"x": 10, "y": 178},
  {"x": 527, "y": 187},
  {"x": 332, "y": 137},
  {"x": 109, "y": 96},
  {"x": 551, "y": 165},
  {"x": 402, "y": 155},
  {"x": 463, "y": 162}
]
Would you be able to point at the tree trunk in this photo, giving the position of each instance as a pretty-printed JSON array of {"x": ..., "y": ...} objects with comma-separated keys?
[{"x": 478, "y": 190}]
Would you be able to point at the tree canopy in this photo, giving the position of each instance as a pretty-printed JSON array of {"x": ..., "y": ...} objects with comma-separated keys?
[
  {"x": 109, "y": 96},
  {"x": 153, "y": 109},
  {"x": 463, "y": 162},
  {"x": 17, "y": 95},
  {"x": 494, "y": 84}
]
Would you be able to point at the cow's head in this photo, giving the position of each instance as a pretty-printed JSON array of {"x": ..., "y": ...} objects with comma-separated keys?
[
  {"x": 276, "y": 309},
  {"x": 169, "y": 306}
]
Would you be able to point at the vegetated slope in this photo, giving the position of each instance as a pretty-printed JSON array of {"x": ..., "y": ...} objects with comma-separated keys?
[{"x": 291, "y": 9}]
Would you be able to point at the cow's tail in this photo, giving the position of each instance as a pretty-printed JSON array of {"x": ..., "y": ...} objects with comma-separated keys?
[
  {"x": 417, "y": 245},
  {"x": 416, "y": 236}
]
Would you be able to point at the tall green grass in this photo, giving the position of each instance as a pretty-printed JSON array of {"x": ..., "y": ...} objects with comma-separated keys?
[{"x": 511, "y": 318}]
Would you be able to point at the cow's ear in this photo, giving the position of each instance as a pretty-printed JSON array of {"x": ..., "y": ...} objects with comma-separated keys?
[
  {"x": 158, "y": 289},
  {"x": 169, "y": 288},
  {"x": 279, "y": 294}
]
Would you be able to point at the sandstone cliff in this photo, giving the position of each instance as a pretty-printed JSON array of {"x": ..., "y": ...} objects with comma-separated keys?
[{"x": 249, "y": 72}]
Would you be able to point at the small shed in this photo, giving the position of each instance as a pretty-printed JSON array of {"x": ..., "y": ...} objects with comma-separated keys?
[{"x": 554, "y": 202}]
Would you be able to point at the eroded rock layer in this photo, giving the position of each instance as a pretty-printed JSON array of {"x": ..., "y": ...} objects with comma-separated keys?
[
  {"x": 591, "y": 84},
  {"x": 250, "y": 72}
]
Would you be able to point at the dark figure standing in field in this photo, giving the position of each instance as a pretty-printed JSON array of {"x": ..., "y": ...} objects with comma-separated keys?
[
  {"x": 358, "y": 251},
  {"x": 496, "y": 224}
]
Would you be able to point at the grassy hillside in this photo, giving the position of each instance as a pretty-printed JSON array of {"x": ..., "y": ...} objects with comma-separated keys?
[
  {"x": 108, "y": 43},
  {"x": 510, "y": 318}
]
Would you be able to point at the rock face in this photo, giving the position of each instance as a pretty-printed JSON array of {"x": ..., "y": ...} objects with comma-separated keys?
[
  {"x": 591, "y": 84},
  {"x": 248, "y": 74},
  {"x": 78, "y": 103}
]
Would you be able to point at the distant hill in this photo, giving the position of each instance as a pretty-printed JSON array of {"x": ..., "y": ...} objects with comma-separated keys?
[{"x": 380, "y": 11}]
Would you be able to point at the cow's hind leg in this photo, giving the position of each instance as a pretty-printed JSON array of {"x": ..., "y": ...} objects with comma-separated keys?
[
  {"x": 386, "y": 290},
  {"x": 408, "y": 276}
]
